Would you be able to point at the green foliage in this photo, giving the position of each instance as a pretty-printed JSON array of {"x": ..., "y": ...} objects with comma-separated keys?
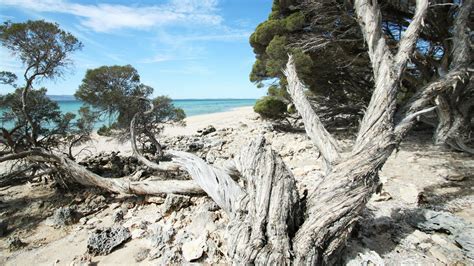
[
  {"x": 105, "y": 131},
  {"x": 327, "y": 48},
  {"x": 277, "y": 55},
  {"x": 277, "y": 91},
  {"x": 8, "y": 78},
  {"x": 259, "y": 71},
  {"x": 270, "y": 107},
  {"x": 265, "y": 32},
  {"x": 41, "y": 46},
  {"x": 117, "y": 92},
  {"x": 43, "y": 111},
  {"x": 110, "y": 88},
  {"x": 45, "y": 50},
  {"x": 295, "y": 21},
  {"x": 304, "y": 63}
]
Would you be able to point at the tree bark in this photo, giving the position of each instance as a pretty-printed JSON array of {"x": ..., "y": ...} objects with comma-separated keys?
[{"x": 268, "y": 214}]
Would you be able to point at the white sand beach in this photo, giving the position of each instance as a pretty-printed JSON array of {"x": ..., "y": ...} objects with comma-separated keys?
[{"x": 218, "y": 120}]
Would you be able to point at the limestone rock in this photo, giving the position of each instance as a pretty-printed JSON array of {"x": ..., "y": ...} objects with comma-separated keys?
[
  {"x": 103, "y": 241},
  {"x": 64, "y": 216},
  {"x": 207, "y": 130},
  {"x": 175, "y": 202},
  {"x": 15, "y": 243},
  {"x": 202, "y": 222},
  {"x": 142, "y": 254},
  {"x": 366, "y": 258},
  {"x": 409, "y": 193},
  {"x": 117, "y": 216},
  {"x": 194, "y": 249}
]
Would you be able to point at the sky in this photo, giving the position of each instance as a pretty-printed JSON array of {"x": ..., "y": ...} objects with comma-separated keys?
[{"x": 185, "y": 49}]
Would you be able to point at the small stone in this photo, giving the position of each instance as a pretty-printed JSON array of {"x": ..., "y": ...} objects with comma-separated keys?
[
  {"x": 450, "y": 175},
  {"x": 384, "y": 196},
  {"x": 138, "y": 233},
  {"x": 154, "y": 199},
  {"x": 211, "y": 157},
  {"x": 64, "y": 216},
  {"x": 367, "y": 257},
  {"x": 425, "y": 246},
  {"x": 206, "y": 131},
  {"x": 117, "y": 216},
  {"x": 142, "y": 254},
  {"x": 202, "y": 222},
  {"x": 439, "y": 240},
  {"x": 193, "y": 250},
  {"x": 175, "y": 202},
  {"x": 93, "y": 220},
  {"x": 15, "y": 243},
  {"x": 422, "y": 237},
  {"x": 104, "y": 240},
  {"x": 409, "y": 194}
]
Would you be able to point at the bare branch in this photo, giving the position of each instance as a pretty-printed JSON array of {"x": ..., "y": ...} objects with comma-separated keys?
[
  {"x": 408, "y": 42},
  {"x": 214, "y": 181},
  {"x": 377, "y": 124},
  {"x": 321, "y": 138}
]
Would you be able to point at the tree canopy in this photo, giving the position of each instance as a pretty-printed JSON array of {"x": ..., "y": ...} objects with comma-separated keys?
[
  {"x": 327, "y": 49},
  {"x": 118, "y": 92},
  {"x": 45, "y": 51},
  {"x": 42, "y": 47}
]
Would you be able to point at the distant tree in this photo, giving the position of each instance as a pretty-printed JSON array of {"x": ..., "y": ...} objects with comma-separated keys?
[
  {"x": 45, "y": 51},
  {"x": 30, "y": 121},
  {"x": 117, "y": 92}
]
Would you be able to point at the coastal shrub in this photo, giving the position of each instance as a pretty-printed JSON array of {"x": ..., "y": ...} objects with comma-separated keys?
[
  {"x": 117, "y": 93},
  {"x": 270, "y": 107},
  {"x": 104, "y": 131}
]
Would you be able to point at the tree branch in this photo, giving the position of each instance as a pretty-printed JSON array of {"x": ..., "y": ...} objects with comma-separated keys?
[
  {"x": 408, "y": 42},
  {"x": 216, "y": 182},
  {"x": 321, "y": 138},
  {"x": 377, "y": 125}
]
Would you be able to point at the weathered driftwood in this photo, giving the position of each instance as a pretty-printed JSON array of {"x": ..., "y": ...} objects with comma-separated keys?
[
  {"x": 214, "y": 181},
  {"x": 123, "y": 185}
]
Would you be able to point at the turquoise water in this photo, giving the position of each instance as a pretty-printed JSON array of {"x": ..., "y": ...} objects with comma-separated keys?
[{"x": 191, "y": 107}]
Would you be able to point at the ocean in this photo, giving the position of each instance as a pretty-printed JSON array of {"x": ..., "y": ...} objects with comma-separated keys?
[{"x": 190, "y": 106}]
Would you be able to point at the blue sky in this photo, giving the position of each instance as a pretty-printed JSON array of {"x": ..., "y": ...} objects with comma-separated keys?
[{"x": 182, "y": 48}]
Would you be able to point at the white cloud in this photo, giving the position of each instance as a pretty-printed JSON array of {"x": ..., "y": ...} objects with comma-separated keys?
[{"x": 109, "y": 17}]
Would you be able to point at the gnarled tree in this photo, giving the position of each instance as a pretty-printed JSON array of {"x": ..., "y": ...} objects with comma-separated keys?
[
  {"x": 117, "y": 92},
  {"x": 270, "y": 223}
]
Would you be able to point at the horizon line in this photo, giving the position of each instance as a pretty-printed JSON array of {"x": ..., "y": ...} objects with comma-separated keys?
[{"x": 181, "y": 99}]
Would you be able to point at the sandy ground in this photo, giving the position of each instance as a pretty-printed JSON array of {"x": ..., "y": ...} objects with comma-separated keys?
[
  {"x": 230, "y": 118},
  {"x": 417, "y": 169}
]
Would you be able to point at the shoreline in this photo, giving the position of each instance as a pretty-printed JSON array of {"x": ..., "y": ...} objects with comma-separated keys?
[{"x": 229, "y": 118}]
